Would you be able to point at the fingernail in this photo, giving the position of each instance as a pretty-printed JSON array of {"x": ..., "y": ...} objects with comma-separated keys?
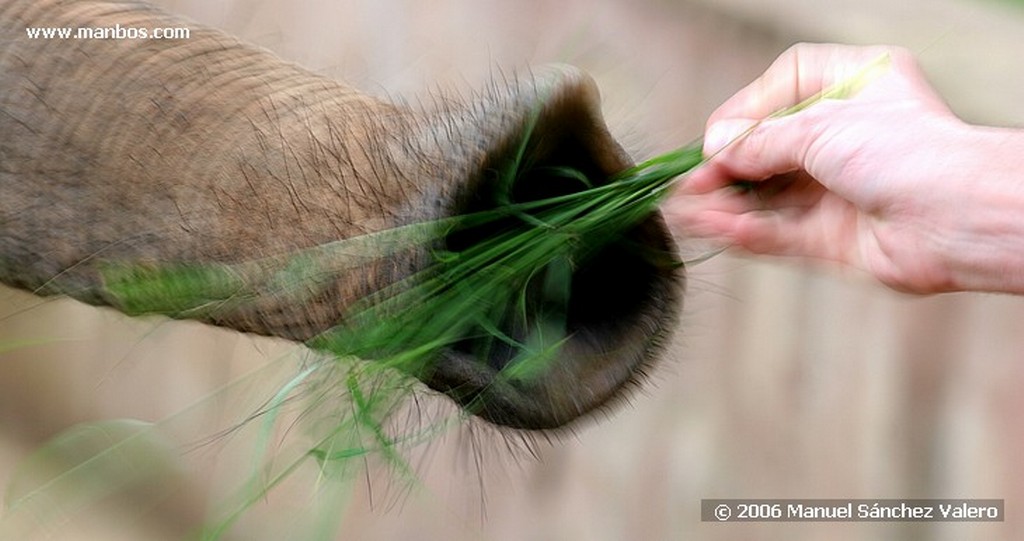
[{"x": 720, "y": 134}]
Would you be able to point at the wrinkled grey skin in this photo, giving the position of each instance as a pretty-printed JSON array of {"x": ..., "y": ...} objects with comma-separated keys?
[{"x": 213, "y": 150}]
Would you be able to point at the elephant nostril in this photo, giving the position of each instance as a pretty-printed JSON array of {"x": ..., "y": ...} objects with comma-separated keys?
[
  {"x": 568, "y": 170},
  {"x": 603, "y": 292},
  {"x": 600, "y": 312}
]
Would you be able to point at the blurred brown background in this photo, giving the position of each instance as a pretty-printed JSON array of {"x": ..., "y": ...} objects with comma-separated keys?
[{"x": 785, "y": 381}]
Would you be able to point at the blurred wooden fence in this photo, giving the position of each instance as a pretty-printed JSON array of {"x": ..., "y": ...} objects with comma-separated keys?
[{"x": 785, "y": 381}]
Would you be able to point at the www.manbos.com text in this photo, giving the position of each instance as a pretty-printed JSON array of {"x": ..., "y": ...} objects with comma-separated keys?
[{"x": 107, "y": 32}]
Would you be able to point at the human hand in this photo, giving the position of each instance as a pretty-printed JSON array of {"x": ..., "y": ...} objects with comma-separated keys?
[{"x": 888, "y": 180}]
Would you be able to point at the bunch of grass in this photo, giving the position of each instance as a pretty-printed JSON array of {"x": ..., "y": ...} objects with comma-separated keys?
[{"x": 474, "y": 292}]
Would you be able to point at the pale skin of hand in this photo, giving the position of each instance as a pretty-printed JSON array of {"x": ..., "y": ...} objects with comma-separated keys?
[{"x": 888, "y": 180}]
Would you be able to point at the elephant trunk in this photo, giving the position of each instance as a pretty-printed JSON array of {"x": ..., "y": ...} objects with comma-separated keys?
[{"x": 207, "y": 150}]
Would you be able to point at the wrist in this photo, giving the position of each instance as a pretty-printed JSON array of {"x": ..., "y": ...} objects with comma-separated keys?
[{"x": 984, "y": 250}]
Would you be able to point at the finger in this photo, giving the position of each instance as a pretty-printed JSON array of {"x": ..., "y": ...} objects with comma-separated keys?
[
  {"x": 797, "y": 74},
  {"x": 687, "y": 213},
  {"x": 726, "y": 132},
  {"x": 759, "y": 232},
  {"x": 824, "y": 230},
  {"x": 705, "y": 179},
  {"x": 721, "y": 171},
  {"x": 720, "y": 201},
  {"x": 765, "y": 232},
  {"x": 790, "y": 191},
  {"x": 768, "y": 233},
  {"x": 796, "y": 191},
  {"x": 765, "y": 149}
]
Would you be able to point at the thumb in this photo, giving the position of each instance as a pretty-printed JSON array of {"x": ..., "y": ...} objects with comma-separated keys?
[
  {"x": 756, "y": 150},
  {"x": 719, "y": 135}
]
